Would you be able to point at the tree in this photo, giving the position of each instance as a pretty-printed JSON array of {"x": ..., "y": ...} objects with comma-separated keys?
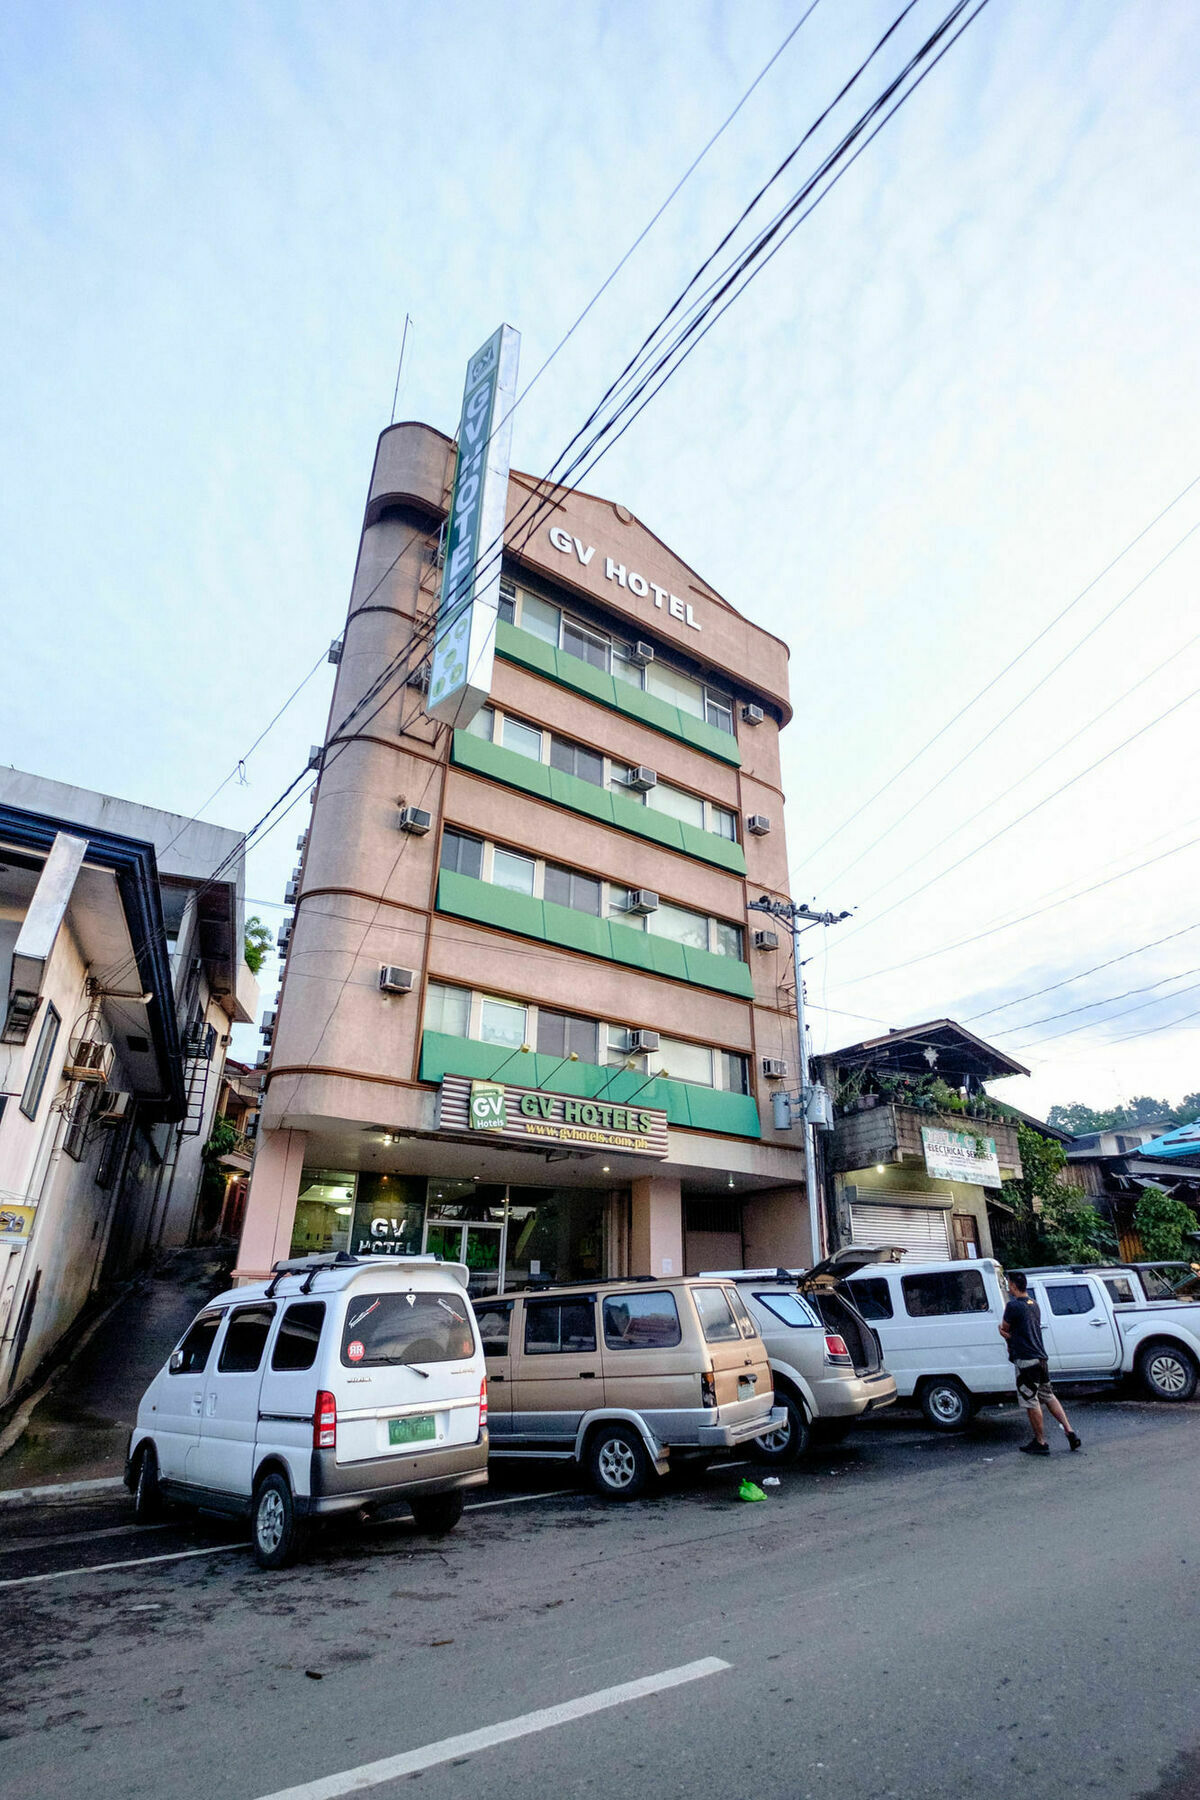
[
  {"x": 1165, "y": 1227},
  {"x": 258, "y": 941},
  {"x": 1065, "y": 1227},
  {"x": 1143, "y": 1109}
]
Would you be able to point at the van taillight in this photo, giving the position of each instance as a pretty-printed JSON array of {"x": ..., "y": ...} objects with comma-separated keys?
[
  {"x": 325, "y": 1422},
  {"x": 483, "y": 1404},
  {"x": 708, "y": 1390},
  {"x": 835, "y": 1347}
]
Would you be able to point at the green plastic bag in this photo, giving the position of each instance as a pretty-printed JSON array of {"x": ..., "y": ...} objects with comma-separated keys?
[{"x": 750, "y": 1490}]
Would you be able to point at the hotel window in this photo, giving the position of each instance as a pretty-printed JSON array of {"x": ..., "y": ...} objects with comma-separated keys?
[
  {"x": 682, "y": 1061},
  {"x": 483, "y": 724},
  {"x": 524, "y": 739},
  {"x": 516, "y": 873},
  {"x": 75, "y": 1138},
  {"x": 448, "y": 1009},
  {"x": 576, "y": 759},
  {"x": 679, "y": 924},
  {"x": 567, "y": 887},
  {"x": 721, "y": 821},
  {"x": 601, "y": 651},
  {"x": 502, "y": 1022},
  {"x": 734, "y": 1071},
  {"x": 560, "y": 1034},
  {"x": 688, "y": 808},
  {"x": 35, "y": 1081},
  {"x": 461, "y": 854},
  {"x": 727, "y": 939}
]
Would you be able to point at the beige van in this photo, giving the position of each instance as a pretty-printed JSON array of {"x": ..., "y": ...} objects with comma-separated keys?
[{"x": 625, "y": 1377}]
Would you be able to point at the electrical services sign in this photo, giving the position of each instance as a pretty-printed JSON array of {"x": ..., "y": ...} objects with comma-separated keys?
[
  {"x": 460, "y": 678},
  {"x": 960, "y": 1156},
  {"x": 536, "y": 1119}
]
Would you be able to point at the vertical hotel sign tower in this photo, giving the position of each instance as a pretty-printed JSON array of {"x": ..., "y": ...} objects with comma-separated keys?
[{"x": 460, "y": 677}]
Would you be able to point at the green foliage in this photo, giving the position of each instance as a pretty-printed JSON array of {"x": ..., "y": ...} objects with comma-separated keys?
[
  {"x": 1062, "y": 1225},
  {"x": 1165, "y": 1227},
  {"x": 224, "y": 1137},
  {"x": 1144, "y": 1109},
  {"x": 258, "y": 941}
]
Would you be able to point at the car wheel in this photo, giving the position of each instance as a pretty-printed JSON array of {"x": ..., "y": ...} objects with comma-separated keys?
[
  {"x": 437, "y": 1514},
  {"x": 617, "y": 1462},
  {"x": 147, "y": 1495},
  {"x": 790, "y": 1441},
  {"x": 1167, "y": 1372},
  {"x": 276, "y": 1530},
  {"x": 946, "y": 1403}
]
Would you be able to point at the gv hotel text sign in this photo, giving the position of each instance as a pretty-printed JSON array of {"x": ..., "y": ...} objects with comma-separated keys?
[
  {"x": 529, "y": 1116},
  {"x": 626, "y": 578}
]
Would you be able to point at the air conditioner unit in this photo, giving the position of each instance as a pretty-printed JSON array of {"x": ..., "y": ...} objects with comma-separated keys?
[
  {"x": 753, "y": 715},
  {"x": 766, "y": 940},
  {"x": 773, "y": 1068},
  {"x": 111, "y": 1108},
  {"x": 200, "y": 1041},
  {"x": 261, "y": 1060},
  {"x": 642, "y": 654},
  {"x": 641, "y": 901},
  {"x": 395, "y": 981},
  {"x": 301, "y": 841},
  {"x": 419, "y": 678},
  {"x": 291, "y": 893},
  {"x": 759, "y": 824},
  {"x": 641, "y": 780},
  {"x": 414, "y": 820},
  {"x": 268, "y": 1023},
  {"x": 334, "y": 654},
  {"x": 315, "y": 753},
  {"x": 88, "y": 1059},
  {"x": 250, "y": 1128},
  {"x": 22, "y": 1009},
  {"x": 642, "y": 1041}
]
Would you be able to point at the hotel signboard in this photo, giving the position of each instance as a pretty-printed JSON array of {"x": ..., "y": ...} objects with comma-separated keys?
[
  {"x": 960, "y": 1156},
  {"x": 536, "y": 1119},
  {"x": 460, "y": 677}
]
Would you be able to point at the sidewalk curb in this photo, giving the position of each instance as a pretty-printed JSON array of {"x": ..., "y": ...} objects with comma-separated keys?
[{"x": 12, "y": 1498}]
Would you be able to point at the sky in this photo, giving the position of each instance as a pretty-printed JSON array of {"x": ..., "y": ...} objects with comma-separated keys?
[{"x": 942, "y": 413}]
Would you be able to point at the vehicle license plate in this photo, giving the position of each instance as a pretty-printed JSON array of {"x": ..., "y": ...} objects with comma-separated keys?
[
  {"x": 411, "y": 1431},
  {"x": 745, "y": 1387}
]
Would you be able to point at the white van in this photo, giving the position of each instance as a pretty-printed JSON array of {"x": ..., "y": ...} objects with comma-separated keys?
[
  {"x": 342, "y": 1383},
  {"x": 939, "y": 1326}
]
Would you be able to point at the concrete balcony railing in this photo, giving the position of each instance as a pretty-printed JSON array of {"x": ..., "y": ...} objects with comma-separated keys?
[{"x": 888, "y": 1133}]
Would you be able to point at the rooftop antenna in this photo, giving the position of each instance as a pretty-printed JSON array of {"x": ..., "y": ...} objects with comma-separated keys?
[{"x": 399, "y": 368}]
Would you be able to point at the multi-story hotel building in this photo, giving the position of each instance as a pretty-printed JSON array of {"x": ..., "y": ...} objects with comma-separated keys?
[{"x": 526, "y": 1019}]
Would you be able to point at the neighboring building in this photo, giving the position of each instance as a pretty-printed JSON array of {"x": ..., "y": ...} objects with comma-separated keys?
[
  {"x": 120, "y": 973},
  {"x": 918, "y": 1150},
  {"x": 553, "y": 900},
  {"x": 226, "y": 1179},
  {"x": 1113, "y": 1168}
]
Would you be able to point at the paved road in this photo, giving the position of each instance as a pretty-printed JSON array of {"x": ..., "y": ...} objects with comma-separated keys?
[{"x": 910, "y": 1617}]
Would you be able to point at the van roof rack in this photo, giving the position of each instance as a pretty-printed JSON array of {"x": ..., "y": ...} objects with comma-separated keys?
[{"x": 312, "y": 1266}]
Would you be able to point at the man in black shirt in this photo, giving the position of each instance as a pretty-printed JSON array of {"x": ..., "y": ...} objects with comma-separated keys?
[{"x": 1021, "y": 1328}]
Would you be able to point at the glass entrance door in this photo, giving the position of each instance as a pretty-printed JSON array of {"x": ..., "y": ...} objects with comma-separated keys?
[{"x": 481, "y": 1247}]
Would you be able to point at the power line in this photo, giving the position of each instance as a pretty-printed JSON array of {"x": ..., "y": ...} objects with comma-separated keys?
[
  {"x": 996, "y": 679},
  {"x": 1068, "y": 980},
  {"x": 1095, "y": 1024},
  {"x": 1014, "y": 709},
  {"x": 1008, "y": 924},
  {"x": 1159, "y": 719}
]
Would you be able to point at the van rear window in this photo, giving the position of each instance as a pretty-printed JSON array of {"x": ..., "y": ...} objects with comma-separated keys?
[
  {"x": 716, "y": 1316},
  {"x": 406, "y": 1328},
  {"x": 936, "y": 1296},
  {"x": 871, "y": 1296}
]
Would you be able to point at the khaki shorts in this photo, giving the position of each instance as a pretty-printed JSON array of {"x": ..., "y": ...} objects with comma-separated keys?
[{"x": 1033, "y": 1384}]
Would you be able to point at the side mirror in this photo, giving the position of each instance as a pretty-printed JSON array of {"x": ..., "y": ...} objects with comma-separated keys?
[{"x": 176, "y": 1362}]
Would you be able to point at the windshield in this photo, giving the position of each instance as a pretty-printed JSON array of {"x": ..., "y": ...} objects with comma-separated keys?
[
  {"x": 407, "y": 1328},
  {"x": 1157, "y": 1284},
  {"x": 789, "y": 1308}
]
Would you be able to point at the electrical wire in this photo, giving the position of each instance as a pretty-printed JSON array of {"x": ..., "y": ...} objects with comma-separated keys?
[
  {"x": 1095, "y": 1024},
  {"x": 1013, "y": 710},
  {"x": 996, "y": 679},
  {"x": 1068, "y": 980}
]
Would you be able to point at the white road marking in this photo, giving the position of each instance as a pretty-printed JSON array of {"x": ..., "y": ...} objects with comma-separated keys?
[
  {"x": 468, "y": 1743},
  {"x": 136, "y": 1562},
  {"x": 517, "y": 1499},
  {"x": 59, "y": 1490},
  {"x": 79, "y": 1537}
]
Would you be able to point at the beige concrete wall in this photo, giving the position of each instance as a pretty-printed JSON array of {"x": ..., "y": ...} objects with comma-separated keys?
[{"x": 656, "y": 1235}]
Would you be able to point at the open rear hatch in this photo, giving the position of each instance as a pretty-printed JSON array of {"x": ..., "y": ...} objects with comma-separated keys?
[{"x": 822, "y": 1287}]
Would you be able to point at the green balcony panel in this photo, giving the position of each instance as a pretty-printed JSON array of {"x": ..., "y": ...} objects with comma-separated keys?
[
  {"x": 708, "y": 969},
  {"x": 464, "y": 897},
  {"x": 577, "y": 930},
  {"x": 702, "y": 1109},
  {"x": 490, "y": 905},
  {"x": 571, "y": 671},
  {"x": 711, "y": 848},
  {"x": 517, "y": 771}
]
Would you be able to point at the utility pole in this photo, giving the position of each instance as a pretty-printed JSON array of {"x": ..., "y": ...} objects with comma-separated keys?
[{"x": 800, "y": 917}]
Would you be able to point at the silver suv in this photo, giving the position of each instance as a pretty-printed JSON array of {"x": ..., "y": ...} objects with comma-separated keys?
[{"x": 826, "y": 1363}]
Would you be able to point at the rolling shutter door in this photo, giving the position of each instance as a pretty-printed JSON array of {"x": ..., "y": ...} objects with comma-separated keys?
[{"x": 921, "y": 1230}]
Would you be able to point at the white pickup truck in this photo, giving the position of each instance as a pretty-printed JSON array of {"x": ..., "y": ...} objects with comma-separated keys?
[{"x": 1099, "y": 1325}]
